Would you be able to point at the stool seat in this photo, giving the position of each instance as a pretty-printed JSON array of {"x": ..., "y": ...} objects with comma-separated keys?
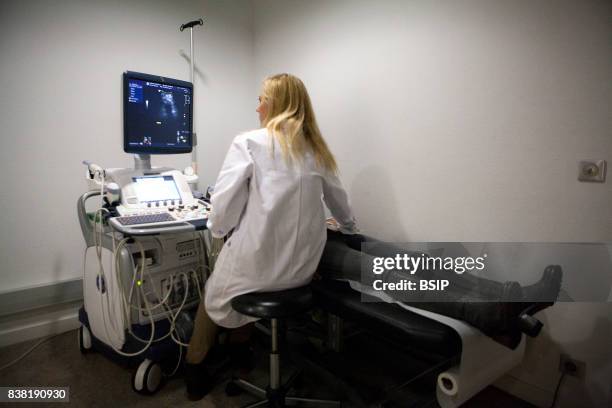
[{"x": 271, "y": 305}]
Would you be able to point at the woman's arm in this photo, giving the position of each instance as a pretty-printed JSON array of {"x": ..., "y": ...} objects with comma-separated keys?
[
  {"x": 231, "y": 189},
  {"x": 336, "y": 199}
]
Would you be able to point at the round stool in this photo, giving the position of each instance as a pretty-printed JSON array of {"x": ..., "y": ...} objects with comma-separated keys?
[{"x": 274, "y": 306}]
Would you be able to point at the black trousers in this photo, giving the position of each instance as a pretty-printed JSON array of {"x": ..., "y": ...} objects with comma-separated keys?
[{"x": 480, "y": 302}]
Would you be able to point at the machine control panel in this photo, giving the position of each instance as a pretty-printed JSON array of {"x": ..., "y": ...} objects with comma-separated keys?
[
  {"x": 156, "y": 202},
  {"x": 164, "y": 213}
]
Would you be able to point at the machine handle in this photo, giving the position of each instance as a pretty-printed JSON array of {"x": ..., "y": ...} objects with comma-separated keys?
[
  {"x": 191, "y": 24},
  {"x": 86, "y": 226},
  {"x": 152, "y": 230}
]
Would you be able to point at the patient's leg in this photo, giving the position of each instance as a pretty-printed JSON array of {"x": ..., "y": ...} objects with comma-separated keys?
[
  {"x": 546, "y": 290},
  {"x": 465, "y": 284},
  {"x": 339, "y": 261},
  {"x": 342, "y": 259},
  {"x": 468, "y": 297}
]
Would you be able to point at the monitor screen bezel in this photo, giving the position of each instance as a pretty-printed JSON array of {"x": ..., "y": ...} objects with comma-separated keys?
[{"x": 127, "y": 75}]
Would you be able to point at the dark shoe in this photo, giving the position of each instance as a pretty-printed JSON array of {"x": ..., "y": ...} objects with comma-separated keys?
[
  {"x": 518, "y": 315},
  {"x": 503, "y": 321},
  {"x": 198, "y": 380},
  {"x": 517, "y": 319},
  {"x": 547, "y": 288}
]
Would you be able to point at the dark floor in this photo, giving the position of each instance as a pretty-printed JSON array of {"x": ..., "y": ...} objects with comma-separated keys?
[{"x": 96, "y": 381}]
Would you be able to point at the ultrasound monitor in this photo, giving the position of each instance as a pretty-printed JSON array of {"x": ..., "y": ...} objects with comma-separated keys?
[{"x": 157, "y": 114}]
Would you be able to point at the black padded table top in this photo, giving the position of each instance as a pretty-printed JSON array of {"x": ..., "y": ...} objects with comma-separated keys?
[{"x": 390, "y": 319}]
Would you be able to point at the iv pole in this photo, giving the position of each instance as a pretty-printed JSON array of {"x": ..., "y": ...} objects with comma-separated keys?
[{"x": 194, "y": 151}]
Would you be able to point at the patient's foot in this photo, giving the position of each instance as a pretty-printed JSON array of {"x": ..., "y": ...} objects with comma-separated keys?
[
  {"x": 547, "y": 288},
  {"x": 518, "y": 316}
]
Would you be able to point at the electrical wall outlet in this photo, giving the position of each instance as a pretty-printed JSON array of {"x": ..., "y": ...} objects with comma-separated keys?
[
  {"x": 592, "y": 170},
  {"x": 572, "y": 367}
]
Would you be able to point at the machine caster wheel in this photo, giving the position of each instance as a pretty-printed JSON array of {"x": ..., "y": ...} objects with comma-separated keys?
[
  {"x": 232, "y": 390},
  {"x": 84, "y": 339},
  {"x": 147, "y": 378}
]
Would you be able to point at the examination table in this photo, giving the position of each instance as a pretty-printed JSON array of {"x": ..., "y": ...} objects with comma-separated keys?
[{"x": 464, "y": 359}]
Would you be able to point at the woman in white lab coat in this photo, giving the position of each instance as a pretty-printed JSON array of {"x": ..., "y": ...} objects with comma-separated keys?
[{"x": 270, "y": 196}]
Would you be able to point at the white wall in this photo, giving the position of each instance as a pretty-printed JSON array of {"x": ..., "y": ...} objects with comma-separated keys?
[
  {"x": 60, "y": 71},
  {"x": 464, "y": 121},
  {"x": 457, "y": 120}
]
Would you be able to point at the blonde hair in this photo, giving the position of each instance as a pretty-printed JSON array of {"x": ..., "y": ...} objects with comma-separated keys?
[{"x": 291, "y": 120}]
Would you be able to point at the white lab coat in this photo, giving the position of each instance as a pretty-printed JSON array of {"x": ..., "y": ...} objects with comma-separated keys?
[{"x": 277, "y": 215}]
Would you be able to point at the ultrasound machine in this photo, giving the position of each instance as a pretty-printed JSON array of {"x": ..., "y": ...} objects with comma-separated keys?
[{"x": 147, "y": 249}]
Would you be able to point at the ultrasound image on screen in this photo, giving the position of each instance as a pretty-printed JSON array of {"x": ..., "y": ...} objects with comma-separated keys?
[
  {"x": 158, "y": 115},
  {"x": 168, "y": 107}
]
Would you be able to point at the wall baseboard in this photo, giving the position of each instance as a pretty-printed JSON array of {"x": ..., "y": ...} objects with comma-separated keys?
[
  {"x": 40, "y": 296},
  {"x": 39, "y": 311},
  {"x": 43, "y": 322},
  {"x": 37, "y": 323}
]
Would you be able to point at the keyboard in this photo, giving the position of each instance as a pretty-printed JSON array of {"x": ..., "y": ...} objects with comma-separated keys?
[{"x": 145, "y": 219}]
